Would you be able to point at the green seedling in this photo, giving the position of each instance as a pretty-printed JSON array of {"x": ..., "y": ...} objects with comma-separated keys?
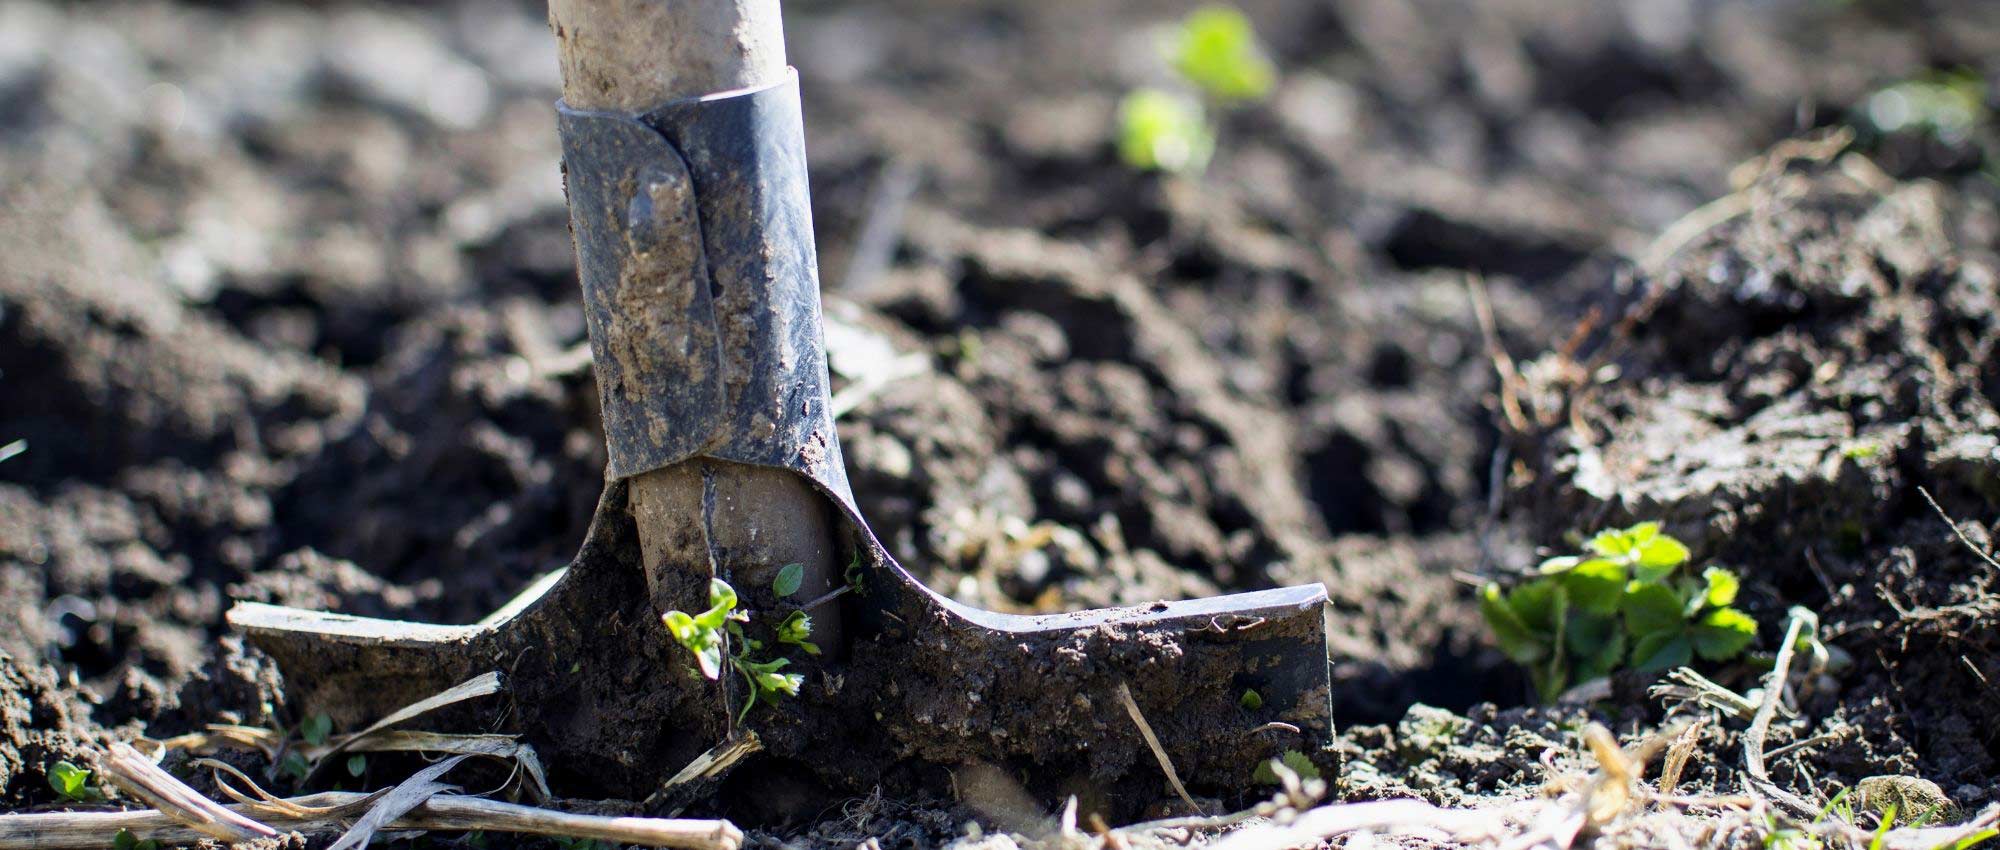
[
  {"x": 716, "y": 635},
  {"x": 316, "y": 729},
  {"x": 1251, "y": 700},
  {"x": 72, "y": 783},
  {"x": 1622, "y": 604},
  {"x": 125, "y": 840},
  {"x": 795, "y": 629},
  {"x": 852, "y": 575},
  {"x": 1295, "y": 761},
  {"x": 1882, "y": 828},
  {"x": 1975, "y": 839},
  {"x": 1160, "y": 130},
  {"x": 357, "y": 764},
  {"x": 295, "y": 766},
  {"x": 1778, "y": 837},
  {"x": 1216, "y": 49},
  {"x": 1217, "y": 61}
]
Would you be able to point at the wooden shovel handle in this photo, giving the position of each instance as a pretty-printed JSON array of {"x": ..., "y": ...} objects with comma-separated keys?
[{"x": 631, "y": 56}]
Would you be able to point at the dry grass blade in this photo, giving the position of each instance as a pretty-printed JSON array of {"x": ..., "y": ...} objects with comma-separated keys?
[
  {"x": 137, "y": 775},
  {"x": 478, "y": 686},
  {"x": 716, "y": 761},
  {"x": 407, "y": 795},
  {"x": 260, "y": 800},
  {"x": 1397, "y": 817},
  {"x": 1153, "y": 741},
  {"x": 1678, "y": 754},
  {"x": 505, "y": 747}
]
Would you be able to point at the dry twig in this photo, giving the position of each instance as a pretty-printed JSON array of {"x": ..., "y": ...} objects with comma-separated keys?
[
  {"x": 95, "y": 830},
  {"x": 1798, "y": 621},
  {"x": 137, "y": 775},
  {"x": 1153, "y": 741},
  {"x": 1955, "y": 529}
]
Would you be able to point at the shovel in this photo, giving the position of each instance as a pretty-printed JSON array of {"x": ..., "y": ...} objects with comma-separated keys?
[{"x": 683, "y": 152}]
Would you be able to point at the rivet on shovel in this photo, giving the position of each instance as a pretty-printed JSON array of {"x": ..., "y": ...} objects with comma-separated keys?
[{"x": 683, "y": 151}]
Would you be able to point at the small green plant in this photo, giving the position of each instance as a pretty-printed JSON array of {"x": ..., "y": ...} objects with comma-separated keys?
[
  {"x": 357, "y": 764},
  {"x": 125, "y": 840},
  {"x": 1622, "y": 604},
  {"x": 1297, "y": 762},
  {"x": 717, "y": 635},
  {"x": 1251, "y": 700},
  {"x": 1160, "y": 130},
  {"x": 1780, "y": 837},
  {"x": 1882, "y": 828},
  {"x": 1216, "y": 49},
  {"x": 1215, "y": 55},
  {"x": 294, "y": 765},
  {"x": 316, "y": 729},
  {"x": 72, "y": 783},
  {"x": 568, "y": 843}
]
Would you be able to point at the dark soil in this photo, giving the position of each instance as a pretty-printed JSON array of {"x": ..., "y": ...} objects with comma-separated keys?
[{"x": 287, "y": 314}]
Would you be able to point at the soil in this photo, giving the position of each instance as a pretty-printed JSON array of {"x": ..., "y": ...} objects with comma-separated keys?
[{"x": 288, "y": 314}]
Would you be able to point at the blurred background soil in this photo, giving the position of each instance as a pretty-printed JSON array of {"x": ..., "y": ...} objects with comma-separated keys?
[{"x": 287, "y": 313}]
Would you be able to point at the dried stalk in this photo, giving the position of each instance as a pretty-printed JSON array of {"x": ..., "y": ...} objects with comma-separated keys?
[
  {"x": 95, "y": 830},
  {"x": 1153, "y": 741},
  {"x": 138, "y": 776}
]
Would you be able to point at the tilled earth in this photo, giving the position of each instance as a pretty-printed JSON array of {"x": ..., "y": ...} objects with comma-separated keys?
[{"x": 287, "y": 314}]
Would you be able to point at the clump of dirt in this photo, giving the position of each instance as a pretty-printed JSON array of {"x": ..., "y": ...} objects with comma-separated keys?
[
  {"x": 42, "y": 723},
  {"x": 1789, "y": 393}
]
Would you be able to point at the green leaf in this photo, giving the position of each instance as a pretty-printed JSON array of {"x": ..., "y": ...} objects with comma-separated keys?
[
  {"x": 790, "y": 576},
  {"x": 1663, "y": 650},
  {"x": 1651, "y": 608},
  {"x": 705, "y": 641},
  {"x": 680, "y": 625},
  {"x": 721, "y": 606},
  {"x": 316, "y": 728},
  {"x": 1596, "y": 585},
  {"x": 1510, "y": 632},
  {"x": 1723, "y": 633},
  {"x": 1605, "y": 657},
  {"x": 1540, "y": 604},
  {"x": 1560, "y": 564},
  {"x": 1216, "y": 49},
  {"x": 125, "y": 840},
  {"x": 1251, "y": 700},
  {"x": 1623, "y": 544},
  {"x": 295, "y": 766},
  {"x": 795, "y": 629},
  {"x": 1660, "y": 554},
  {"x": 721, "y": 595},
  {"x": 70, "y": 781},
  {"x": 1163, "y": 131},
  {"x": 357, "y": 764},
  {"x": 1721, "y": 587},
  {"x": 1300, "y": 764},
  {"x": 1586, "y": 632}
]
